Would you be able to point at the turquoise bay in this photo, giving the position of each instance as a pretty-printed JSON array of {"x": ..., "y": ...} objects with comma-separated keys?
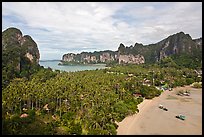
[{"x": 69, "y": 68}]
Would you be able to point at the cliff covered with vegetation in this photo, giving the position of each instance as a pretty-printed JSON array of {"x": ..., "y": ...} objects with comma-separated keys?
[
  {"x": 20, "y": 55},
  {"x": 39, "y": 101},
  {"x": 180, "y": 47}
]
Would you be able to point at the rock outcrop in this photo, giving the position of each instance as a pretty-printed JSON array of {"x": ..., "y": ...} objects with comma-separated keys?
[
  {"x": 68, "y": 57},
  {"x": 105, "y": 57},
  {"x": 31, "y": 49},
  {"x": 13, "y": 38},
  {"x": 131, "y": 59},
  {"x": 19, "y": 54},
  {"x": 198, "y": 43},
  {"x": 87, "y": 57},
  {"x": 175, "y": 44}
]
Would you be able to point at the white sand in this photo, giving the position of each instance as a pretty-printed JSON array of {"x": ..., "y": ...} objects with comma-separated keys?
[{"x": 151, "y": 120}]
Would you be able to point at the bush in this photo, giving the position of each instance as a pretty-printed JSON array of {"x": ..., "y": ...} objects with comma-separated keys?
[
  {"x": 139, "y": 100},
  {"x": 76, "y": 128},
  {"x": 11, "y": 125},
  {"x": 179, "y": 82},
  {"x": 31, "y": 114},
  {"x": 121, "y": 109},
  {"x": 157, "y": 83},
  {"x": 189, "y": 81},
  {"x": 149, "y": 92},
  {"x": 197, "y": 85},
  {"x": 111, "y": 128}
]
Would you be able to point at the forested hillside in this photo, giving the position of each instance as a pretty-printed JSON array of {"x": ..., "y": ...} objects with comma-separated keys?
[{"x": 39, "y": 101}]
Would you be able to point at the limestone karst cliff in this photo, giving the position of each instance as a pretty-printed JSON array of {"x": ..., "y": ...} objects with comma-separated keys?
[
  {"x": 20, "y": 54},
  {"x": 176, "y": 44}
]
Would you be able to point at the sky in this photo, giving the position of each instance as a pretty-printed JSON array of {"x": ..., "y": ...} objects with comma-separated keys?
[{"x": 73, "y": 27}]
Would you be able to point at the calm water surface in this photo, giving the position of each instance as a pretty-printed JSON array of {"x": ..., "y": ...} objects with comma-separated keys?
[{"x": 70, "y": 68}]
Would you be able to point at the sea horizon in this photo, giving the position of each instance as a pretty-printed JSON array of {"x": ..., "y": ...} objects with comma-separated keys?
[{"x": 53, "y": 64}]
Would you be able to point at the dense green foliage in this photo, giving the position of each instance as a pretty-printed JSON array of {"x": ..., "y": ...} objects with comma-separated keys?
[
  {"x": 86, "y": 102},
  {"x": 189, "y": 60},
  {"x": 77, "y": 98}
]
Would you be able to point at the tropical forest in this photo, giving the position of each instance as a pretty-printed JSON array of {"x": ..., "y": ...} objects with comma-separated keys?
[{"x": 42, "y": 101}]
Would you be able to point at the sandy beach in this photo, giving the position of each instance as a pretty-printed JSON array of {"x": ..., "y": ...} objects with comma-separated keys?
[{"x": 151, "y": 120}]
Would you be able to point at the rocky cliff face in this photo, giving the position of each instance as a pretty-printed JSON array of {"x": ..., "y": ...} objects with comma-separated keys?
[
  {"x": 198, "y": 43},
  {"x": 131, "y": 59},
  {"x": 105, "y": 57},
  {"x": 126, "y": 56},
  {"x": 18, "y": 50},
  {"x": 175, "y": 44},
  {"x": 31, "y": 49},
  {"x": 68, "y": 57},
  {"x": 87, "y": 57}
]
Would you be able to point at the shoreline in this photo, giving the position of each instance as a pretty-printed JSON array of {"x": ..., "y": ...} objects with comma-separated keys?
[{"x": 151, "y": 119}]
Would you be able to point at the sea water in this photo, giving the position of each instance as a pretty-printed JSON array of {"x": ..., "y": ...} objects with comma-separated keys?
[{"x": 70, "y": 68}]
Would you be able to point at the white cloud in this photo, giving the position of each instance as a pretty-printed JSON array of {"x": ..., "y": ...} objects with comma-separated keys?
[{"x": 100, "y": 26}]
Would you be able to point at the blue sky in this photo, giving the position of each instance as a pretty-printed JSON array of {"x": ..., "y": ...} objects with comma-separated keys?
[{"x": 60, "y": 28}]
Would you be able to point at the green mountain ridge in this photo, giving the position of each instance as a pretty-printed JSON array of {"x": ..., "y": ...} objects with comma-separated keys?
[
  {"x": 20, "y": 54},
  {"x": 178, "y": 44}
]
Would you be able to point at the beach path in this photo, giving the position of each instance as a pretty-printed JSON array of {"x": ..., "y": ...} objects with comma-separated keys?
[{"x": 151, "y": 120}]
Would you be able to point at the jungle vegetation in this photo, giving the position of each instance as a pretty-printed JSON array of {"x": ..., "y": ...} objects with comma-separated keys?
[
  {"x": 84, "y": 102},
  {"x": 39, "y": 101}
]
